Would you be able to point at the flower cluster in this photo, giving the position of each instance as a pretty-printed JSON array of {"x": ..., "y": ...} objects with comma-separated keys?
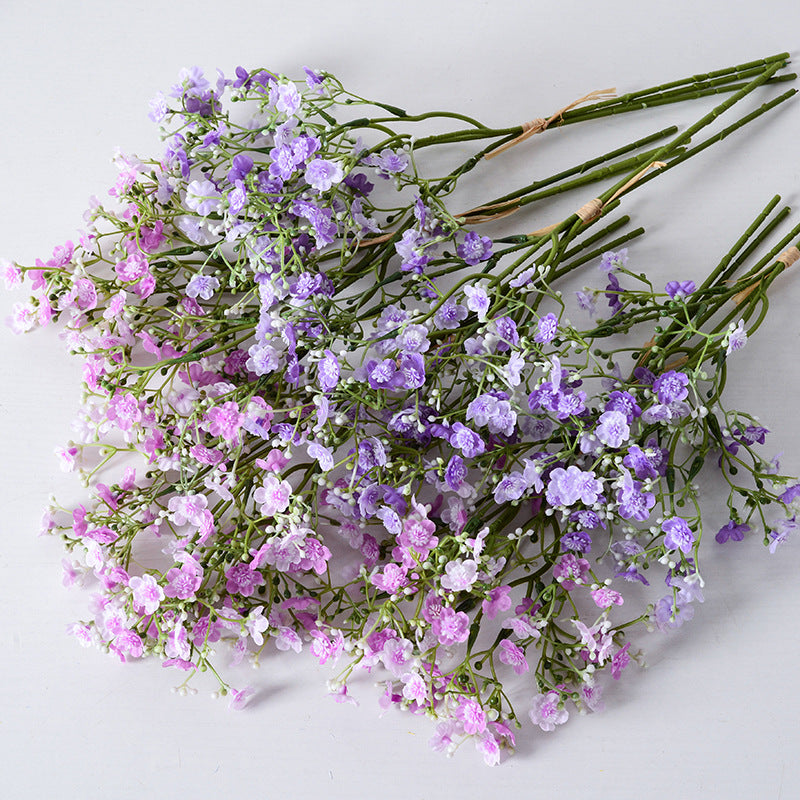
[{"x": 346, "y": 421}]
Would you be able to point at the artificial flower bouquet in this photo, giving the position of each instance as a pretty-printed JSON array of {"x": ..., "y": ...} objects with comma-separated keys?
[{"x": 323, "y": 409}]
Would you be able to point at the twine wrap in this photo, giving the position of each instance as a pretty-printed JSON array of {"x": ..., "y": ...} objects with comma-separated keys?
[
  {"x": 594, "y": 208},
  {"x": 787, "y": 258},
  {"x": 540, "y": 124}
]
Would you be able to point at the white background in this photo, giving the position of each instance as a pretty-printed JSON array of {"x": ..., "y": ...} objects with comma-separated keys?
[{"x": 715, "y": 715}]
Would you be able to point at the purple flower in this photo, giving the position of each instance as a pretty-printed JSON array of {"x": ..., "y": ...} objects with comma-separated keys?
[
  {"x": 781, "y": 529},
  {"x": 237, "y": 198},
  {"x": 586, "y": 301},
  {"x": 612, "y": 429},
  {"x": 624, "y": 402},
  {"x": 313, "y": 80},
  {"x": 614, "y": 260},
  {"x": 644, "y": 376},
  {"x": 240, "y": 168},
  {"x": 790, "y": 495},
  {"x": 577, "y": 541},
  {"x": 202, "y": 286},
  {"x": 466, "y": 440},
  {"x": 752, "y": 434},
  {"x": 389, "y": 162},
  {"x": 303, "y": 147},
  {"x": 679, "y": 289},
  {"x": 409, "y": 248},
  {"x": 414, "y": 339},
  {"x": 612, "y": 293},
  {"x": 570, "y": 570},
  {"x": 359, "y": 183},
  {"x": 567, "y": 486},
  {"x": 736, "y": 338},
  {"x": 477, "y": 300},
  {"x": 506, "y": 331},
  {"x": 511, "y": 487},
  {"x": 633, "y": 503},
  {"x": 732, "y": 531},
  {"x": 494, "y": 413},
  {"x": 285, "y": 98},
  {"x": 586, "y": 519},
  {"x": 474, "y": 249},
  {"x": 325, "y": 228},
  {"x": 678, "y": 534},
  {"x": 547, "y": 329},
  {"x": 455, "y": 473},
  {"x": 283, "y": 163},
  {"x": 637, "y": 460},
  {"x": 371, "y": 453},
  {"x": 322, "y": 174},
  {"x": 670, "y": 613},
  {"x": 411, "y": 371},
  {"x": 382, "y": 375},
  {"x": 448, "y": 315},
  {"x": 203, "y": 197},
  {"x": 671, "y": 387}
]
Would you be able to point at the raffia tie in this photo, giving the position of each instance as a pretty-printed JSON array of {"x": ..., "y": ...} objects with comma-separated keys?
[
  {"x": 787, "y": 258},
  {"x": 540, "y": 124},
  {"x": 644, "y": 355},
  {"x": 594, "y": 208}
]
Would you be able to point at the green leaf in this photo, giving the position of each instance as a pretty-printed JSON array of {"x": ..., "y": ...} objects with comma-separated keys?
[{"x": 697, "y": 465}]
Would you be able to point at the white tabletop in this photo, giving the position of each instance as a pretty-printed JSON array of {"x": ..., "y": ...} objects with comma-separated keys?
[{"x": 714, "y": 715}]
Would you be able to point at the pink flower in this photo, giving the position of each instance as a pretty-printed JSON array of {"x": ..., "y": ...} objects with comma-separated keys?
[
  {"x": 546, "y": 712},
  {"x": 288, "y": 639},
  {"x": 514, "y": 656},
  {"x": 11, "y": 274},
  {"x": 147, "y": 594},
  {"x": 83, "y": 633},
  {"x": 243, "y": 580},
  {"x": 570, "y": 570},
  {"x": 326, "y": 649},
  {"x": 391, "y": 579},
  {"x": 275, "y": 461},
  {"x": 460, "y": 575},
  {"x": 274, "y": 496},
  {"x": 415, "y": 688},
  {"x": 83, "y": 294},
  {"x": 133, "y": 268},
  {"x": 224, "y": 421},
  {"x": 488, "y": 747},
  {"x": 183, "y": 582},
  {"x": 619, "y": 661},
  {"x": 256, "y": 624},
  {"x": 396, "y": 656},
  {"x": 605, "y": 597},
  {"x": 499, "y": 600},
  {"x": 451, "y": 626},
  {"x": 239, "y": 699},
  {"x": 187, "y": 509},
  {"x": 471, "y": 715},
  {"x": 125, "y": 410},
  {"x": 177, "y": 644},
  {"x": 591, "y": 694}
]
